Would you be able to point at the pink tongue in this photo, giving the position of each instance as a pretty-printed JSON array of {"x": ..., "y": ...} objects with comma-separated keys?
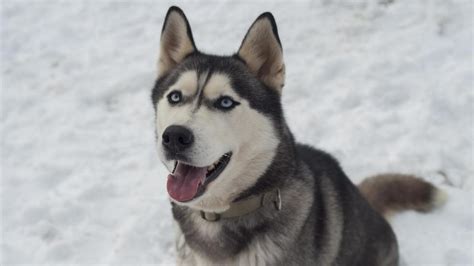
[{"x": 183, "y": 184}]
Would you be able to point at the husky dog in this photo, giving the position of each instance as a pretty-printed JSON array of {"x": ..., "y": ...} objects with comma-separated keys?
[{"x": 242, "y": 191}]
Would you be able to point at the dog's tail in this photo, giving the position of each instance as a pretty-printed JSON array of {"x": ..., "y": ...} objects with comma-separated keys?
[{"x": 390, "y": 193}]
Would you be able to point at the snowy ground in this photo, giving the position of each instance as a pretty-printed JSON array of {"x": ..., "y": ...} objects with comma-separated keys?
[{"x": 382, "y": 87}]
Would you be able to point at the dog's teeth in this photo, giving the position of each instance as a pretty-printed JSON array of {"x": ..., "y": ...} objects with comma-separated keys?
[{"x": 218, "y": 162}]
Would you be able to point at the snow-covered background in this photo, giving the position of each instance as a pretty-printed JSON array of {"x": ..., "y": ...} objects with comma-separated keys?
[{"x": 383, "y": 87}]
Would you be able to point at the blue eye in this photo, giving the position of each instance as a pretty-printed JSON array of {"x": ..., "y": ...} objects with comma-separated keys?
[
  {"x": 175, "y": 97},
  {"x": 225, "y": 103}
]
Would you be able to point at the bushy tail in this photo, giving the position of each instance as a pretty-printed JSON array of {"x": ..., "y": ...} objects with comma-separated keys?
[{"x": 389, "y": 193}]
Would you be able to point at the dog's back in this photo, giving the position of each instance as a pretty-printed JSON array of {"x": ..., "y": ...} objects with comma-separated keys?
[{"x": 366, "y": 237}]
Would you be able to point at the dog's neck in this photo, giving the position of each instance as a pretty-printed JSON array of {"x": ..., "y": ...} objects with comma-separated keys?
[
  {"x": 246, "y": 206},
  {"x": 282, "y": 167},
  {"x": 222, "y": 240}
]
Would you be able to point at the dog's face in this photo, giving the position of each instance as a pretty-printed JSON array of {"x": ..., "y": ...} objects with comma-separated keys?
[{"x": 217, "y": 117}]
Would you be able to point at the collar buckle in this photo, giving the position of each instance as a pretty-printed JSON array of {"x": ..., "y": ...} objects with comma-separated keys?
[{"x": 210, "y": 216}]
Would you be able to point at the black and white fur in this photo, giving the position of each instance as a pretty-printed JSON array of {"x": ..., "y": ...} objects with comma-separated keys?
[{"x": 324, "y": 219}]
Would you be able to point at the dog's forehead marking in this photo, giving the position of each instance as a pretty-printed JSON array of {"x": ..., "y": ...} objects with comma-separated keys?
[
  {"x": 219, "y": 84},
  {"x": 202, "y": 81}
]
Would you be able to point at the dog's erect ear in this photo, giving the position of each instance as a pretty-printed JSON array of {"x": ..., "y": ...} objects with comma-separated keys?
[
  {"x": 176, "y": 40},
  {"x": 262, "y": 52}
]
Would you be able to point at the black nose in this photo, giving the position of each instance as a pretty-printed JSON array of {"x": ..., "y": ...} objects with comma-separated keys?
[{"x": 177, "y": 139}]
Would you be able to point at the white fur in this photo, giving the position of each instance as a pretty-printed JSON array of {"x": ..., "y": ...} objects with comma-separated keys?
[{"x": 263, "y": 251}]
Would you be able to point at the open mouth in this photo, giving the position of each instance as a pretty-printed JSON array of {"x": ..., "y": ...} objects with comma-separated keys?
[{"x": 188, "y": 182}]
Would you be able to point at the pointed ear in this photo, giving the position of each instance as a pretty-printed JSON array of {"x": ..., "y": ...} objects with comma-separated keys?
[
  {"x": 262, "y": 52},
  {"x": 176, "y": 40}
]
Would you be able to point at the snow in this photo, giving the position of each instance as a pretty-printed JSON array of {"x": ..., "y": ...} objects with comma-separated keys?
[{"x": 383, "y": 87}]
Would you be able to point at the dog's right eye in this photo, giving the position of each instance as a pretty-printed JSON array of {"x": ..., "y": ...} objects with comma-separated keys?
[{"x": 175, "y": 97}]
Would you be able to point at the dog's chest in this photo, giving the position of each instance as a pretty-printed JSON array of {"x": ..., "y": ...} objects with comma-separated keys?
[
  {"x": 260, "y": 251},
  {"x": 211, "y": 245}
]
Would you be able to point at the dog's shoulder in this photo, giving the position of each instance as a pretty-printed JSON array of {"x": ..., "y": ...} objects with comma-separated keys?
[
  {"x": 318, "y": 161},
  {"x": 342, "y": 200},
  {"x": 327, "y": 171}
]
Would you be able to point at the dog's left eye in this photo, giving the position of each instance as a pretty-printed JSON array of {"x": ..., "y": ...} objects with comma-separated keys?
[
  {"x": 225, "y": 103},
  {"x": 175, "y": 97}
]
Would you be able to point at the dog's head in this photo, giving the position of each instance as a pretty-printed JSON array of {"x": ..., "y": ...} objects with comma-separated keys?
[{"x": 217, "y": 117}]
